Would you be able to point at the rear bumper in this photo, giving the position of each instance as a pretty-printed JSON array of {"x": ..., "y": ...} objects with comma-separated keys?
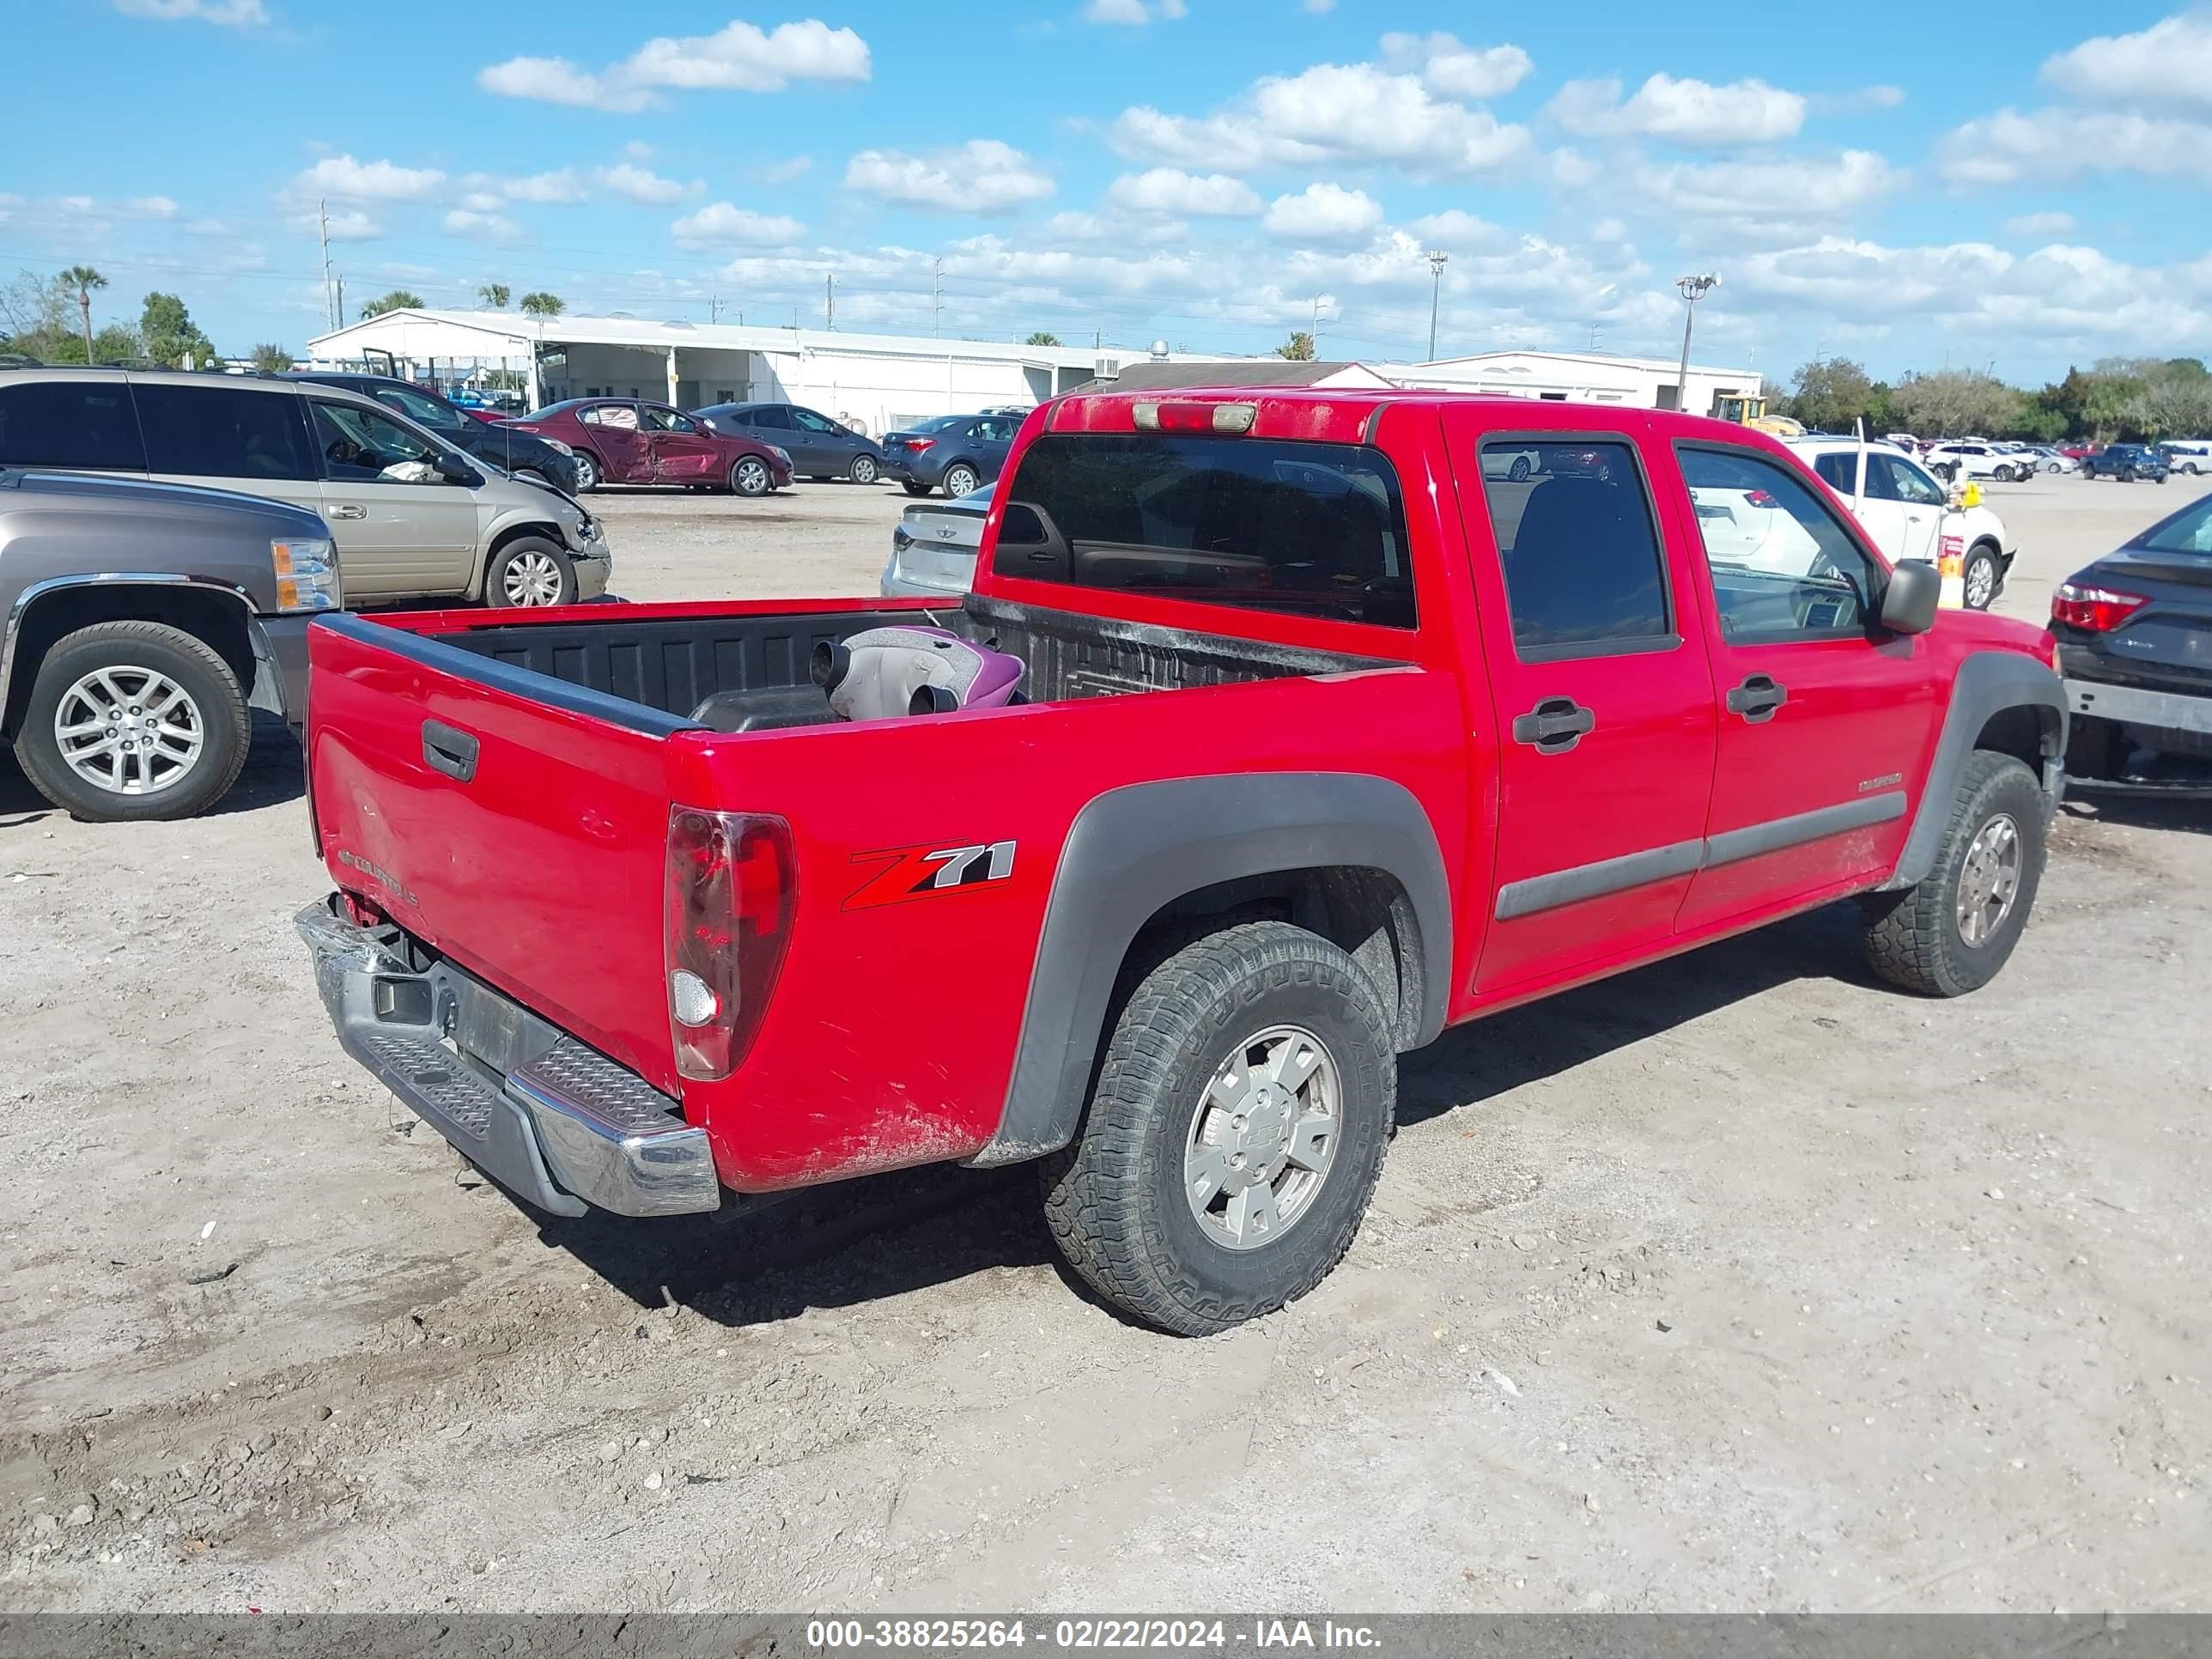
[
  {"x": 551, "y": 1120},
  {"x": 2163, "y": 711}
]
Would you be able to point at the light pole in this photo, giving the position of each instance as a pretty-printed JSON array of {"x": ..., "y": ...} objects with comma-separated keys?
[
  {"x": 1437, "y": 260},
  {"x": 1693, "y": 288}
]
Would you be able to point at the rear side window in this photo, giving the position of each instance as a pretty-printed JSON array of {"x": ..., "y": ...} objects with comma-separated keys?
[
  {"x": 1312, "y": 529},
  {"x": 85, "y": 423},
  {"x": 1583, "y": 575},
  {"x": 214, "y": 432}
]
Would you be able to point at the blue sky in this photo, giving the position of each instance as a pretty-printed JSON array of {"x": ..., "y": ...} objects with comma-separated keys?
[{"x": 2014, "y": 184}]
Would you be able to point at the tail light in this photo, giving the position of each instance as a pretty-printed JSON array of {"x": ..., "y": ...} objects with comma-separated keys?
[
  {"x": 917, "y": 445},
  {"x": 731, "y": 884},
  {"x": 2100, "y": 610}
]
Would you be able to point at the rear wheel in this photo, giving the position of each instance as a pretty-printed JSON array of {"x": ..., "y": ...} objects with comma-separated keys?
[
  {"x": 959, "y": 479},
  {"x": 587, "y": 473},
  {"x": 1235, "y": 1133},
  {"x": 864, "y": 469},
  {"x": 530, "y": 571},
  {"x": 751, "y": 477},
  {"x": 134, "y": 721},
  {"x": 1518, "y": 472},
  {"x": 1951, "y": 932}
]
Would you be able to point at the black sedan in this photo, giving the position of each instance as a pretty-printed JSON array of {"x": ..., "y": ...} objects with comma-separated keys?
[
  {"x": 952, "y": 453},
  {"x": 523, "y": 454},
  {"x": 2125, "y": 462},
  {"x": 2135, "y": 647}
]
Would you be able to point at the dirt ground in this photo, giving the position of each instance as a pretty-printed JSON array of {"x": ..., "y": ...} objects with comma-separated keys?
[{"x": 1737, "y": 1283}]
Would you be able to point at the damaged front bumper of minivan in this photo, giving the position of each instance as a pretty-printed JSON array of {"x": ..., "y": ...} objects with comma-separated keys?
[{"x": 551, "y": 1119}]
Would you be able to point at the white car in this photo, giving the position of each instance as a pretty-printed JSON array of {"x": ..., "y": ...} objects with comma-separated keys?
[
  {"x": 1908, "y": 515},
  {"x": 1976, "y": 460},
  {"x": 2189, "y": 455},
  {"x": 1516, "y": 465}
]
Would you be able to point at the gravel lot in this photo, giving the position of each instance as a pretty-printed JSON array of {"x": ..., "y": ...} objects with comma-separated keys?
[{"x": 1738, "y": 1283}]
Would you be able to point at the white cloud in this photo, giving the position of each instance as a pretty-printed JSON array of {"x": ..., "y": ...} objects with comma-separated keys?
[
  {"x": 1324, "y": 213},
  {"x": 2055, "y": 144},
  {"x": 1349, "y": 114},
  {"x": 2169, "y": 63},
  {"x": 1685, "y": 111},
  {"x": 1448, "y": 66},
  {"x": 782, "y": 172},
  {"x": 980, "y": 176},
  {"x": 1786, "y": 191},
  {"x": 2040, "y": 224},
  {"x": 227, "y": 14},
  {"x": 1131, "y": 13},
  {"x": 346, "y": 225},
  {"x": 637, "y": 183},
  {"x": 560, "y": 186},
  {"x": 1170, "y": 190},
  {"x": 737, "y": 57},
  {"x": 342, "y": 177},
  {"x": 154, "y": 206},
  {"x": 493, "y": 227},
  {"x": 482, "y": 201},
  {"x": 727, "y": 224},
  {"x": 1459, "y": 231}
]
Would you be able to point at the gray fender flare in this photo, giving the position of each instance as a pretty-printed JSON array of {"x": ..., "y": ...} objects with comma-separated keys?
[
  {"x": 1135, "y": 849},
  {"x": 1988, "y": 683}
]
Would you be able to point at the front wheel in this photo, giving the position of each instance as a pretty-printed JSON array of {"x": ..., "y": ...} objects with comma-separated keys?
[
  {"x": 959, "y": 479},
  {"x": 1235, "y": 1133},
  {"x": 864, "y": 469},
  {"x": 1518, "y": 472},
  {"x": 587, "y": 473},
  {"x": 1980, "y": 579},
  {"x": 1950, "y": 933},
  {"x": 2004, "y": 475},
  {"x": 530, "y": 571},
  {"x": 751, "y": 477},
  {"x": 132, "y": 722}
]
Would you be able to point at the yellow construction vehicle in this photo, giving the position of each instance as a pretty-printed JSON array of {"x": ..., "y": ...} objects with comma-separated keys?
[{"x": 1751, "y": 411}]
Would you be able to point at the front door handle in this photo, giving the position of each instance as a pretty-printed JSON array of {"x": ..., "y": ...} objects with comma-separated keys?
[
  {"x": 1554, "y": 725},
  {"x": 1757, "y": 698},
  {"x": 449, "y": 750},
  {"x": 349, "y": 510}
]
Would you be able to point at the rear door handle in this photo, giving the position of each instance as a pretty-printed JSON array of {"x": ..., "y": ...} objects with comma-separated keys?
[
  {"x": 449, "y": 750},
  {"x": 1554, "y": 725},
  {"x": 348, "y": 512},
  {"x": 1757, "y": 698}
]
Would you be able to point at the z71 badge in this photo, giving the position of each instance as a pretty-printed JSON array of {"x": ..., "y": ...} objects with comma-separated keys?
[{"x": 913, "y": 872}]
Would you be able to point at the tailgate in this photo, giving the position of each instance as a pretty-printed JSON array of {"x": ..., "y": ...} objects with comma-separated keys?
[{"x": 518, "y": 823}]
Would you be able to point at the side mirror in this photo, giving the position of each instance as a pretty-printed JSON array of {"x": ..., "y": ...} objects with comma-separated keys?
[
  {"x": 1908, "y": 603},
  {"x": 453, "y": 470}
]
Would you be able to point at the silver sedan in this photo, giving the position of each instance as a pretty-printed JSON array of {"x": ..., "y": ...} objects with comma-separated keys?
[{"x": 934, "y": 547}]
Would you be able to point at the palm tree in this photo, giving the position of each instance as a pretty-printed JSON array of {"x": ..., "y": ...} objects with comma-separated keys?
[
  {"x": 1040, "y": 338},
  {"x": 399, "y": 299},
  {"x": 494, "y": 295},
  {"x": 542, "y": 305},
  {"x": 84, "y": 279}
]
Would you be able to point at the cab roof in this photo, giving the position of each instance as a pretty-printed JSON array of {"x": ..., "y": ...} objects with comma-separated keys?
[{"x": 1348, "y": 415}]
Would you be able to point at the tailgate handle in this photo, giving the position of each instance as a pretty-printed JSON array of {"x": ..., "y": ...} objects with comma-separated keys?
[{"x": 449, "y": 750}]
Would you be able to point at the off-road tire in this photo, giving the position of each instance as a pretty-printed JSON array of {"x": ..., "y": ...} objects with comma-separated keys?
[
  {"x": 1114, "y": 1200},
  {"x": 1913, "y": 939},
  {"x": 194, "y": 664}
]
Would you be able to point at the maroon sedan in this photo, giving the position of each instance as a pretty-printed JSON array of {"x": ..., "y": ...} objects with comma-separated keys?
[{"x": 620, "y": 440}]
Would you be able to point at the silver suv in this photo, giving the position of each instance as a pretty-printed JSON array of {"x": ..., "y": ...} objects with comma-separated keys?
[{"x": 413, "y": 518}]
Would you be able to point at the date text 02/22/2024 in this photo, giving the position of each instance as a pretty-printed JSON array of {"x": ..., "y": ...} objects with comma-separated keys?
[{"x": 1212, "y": 1635}]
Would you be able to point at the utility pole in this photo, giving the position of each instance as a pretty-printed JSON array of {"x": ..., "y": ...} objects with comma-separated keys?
[
  {"x": 1692, "y": 289},
  {"x": 323, "y": 224},
  {"x": 1317, "y": 326},
  {"x": 937, "y": 298},
  {"x": 715, "y": 308},
  {"x": 828, "y": 299},
  {"x": 1437, "y": 260},
  {"x": 341, "y": 300}
]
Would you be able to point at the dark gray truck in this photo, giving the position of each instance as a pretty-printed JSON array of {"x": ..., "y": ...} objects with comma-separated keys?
[{"x": 143, "y": 622}]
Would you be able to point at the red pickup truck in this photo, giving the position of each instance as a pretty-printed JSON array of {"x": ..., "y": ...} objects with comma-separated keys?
[{"x": 1335, "y": 729}]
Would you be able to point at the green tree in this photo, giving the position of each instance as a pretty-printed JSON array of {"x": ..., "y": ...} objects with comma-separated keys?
[
  {"x": 543, "y": 305},
  {"x": 169, "y": 334},
  {"x": 494, "y": 295},
  {"x": 114, "y": 344},
  {"x": 271, "y": 359},
  {"x": 1040, "y": 338},
  {"x": 398, "y": 299},
  {"x": 34, "y": 315},
  {"x": 83, "y": 279},
  {"x": 1831, "y": 394},
  {"x": 1299, "y": 348},
  {"x": 1957, "y": 401}
]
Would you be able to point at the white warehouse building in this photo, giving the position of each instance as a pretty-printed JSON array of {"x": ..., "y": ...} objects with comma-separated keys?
[
  {"x": 1581, "y": 377},
  {"x": 873, "y": 382}
]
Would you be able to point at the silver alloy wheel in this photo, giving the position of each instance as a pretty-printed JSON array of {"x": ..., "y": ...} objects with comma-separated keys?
[
  {"x": 1989, "y": 880},
  {"x": 1262, "y": 1138},
  {"x": 129, "y": 731},
  {"x": 1518, "y": 472},
  {"x": 1981, "y": 581},
  {"x": 864, "y": 469},
  {"x": 587, "y": 473},
  {"x": 959, "y": 481},
  {"x": 532, "y": 578},
  {"x": 751, "y": 476}
]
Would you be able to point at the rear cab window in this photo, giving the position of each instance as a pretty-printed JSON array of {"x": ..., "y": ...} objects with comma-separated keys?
[
  {"x": 70, "y": 424},
  {"x": 1309, "y": 529}
]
